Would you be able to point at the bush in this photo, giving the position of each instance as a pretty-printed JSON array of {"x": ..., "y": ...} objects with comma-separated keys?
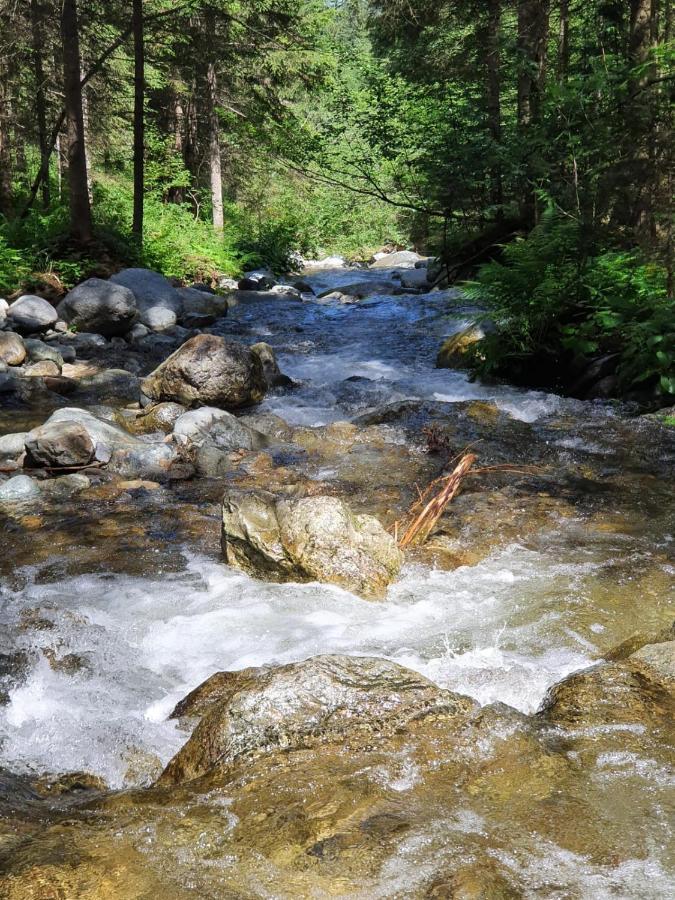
[{"x": 553, "y": 299}]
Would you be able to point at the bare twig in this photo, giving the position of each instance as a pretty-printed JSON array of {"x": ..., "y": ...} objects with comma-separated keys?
[{"x": 424, "y": 522}]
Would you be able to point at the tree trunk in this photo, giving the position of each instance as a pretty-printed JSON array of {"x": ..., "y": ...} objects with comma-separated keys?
[
  {"x": 493, "y": 60},
  {"x": 139, "y": 117},
  {"x": 85, "y": 120},
  {"x": 176, "y": 194},
  {"x": 36, "y": 14},
  {"x": 533, "y": 24},
  {"x": 640, "y": 39},
  {"x": 564, "y": 40},
  {"x": 215, "y": 165},
  {"x": 667, "y": 188},
  {"x": 6, "y": 199},
  {"x": 80, "y": 208},
  {"x": 532, "y": 43}
]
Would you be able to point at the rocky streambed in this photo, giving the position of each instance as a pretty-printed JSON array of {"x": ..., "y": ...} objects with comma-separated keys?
[{"x": 261, "y": 697}]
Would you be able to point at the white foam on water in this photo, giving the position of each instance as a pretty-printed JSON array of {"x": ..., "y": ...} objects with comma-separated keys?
[{"x": 147, "y": 642}]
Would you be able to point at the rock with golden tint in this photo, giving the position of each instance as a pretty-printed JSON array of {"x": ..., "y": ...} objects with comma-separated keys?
[
  {"x": 454, "y": 354},
  {"x": 208, "y": 371},
  {"x": 301, "y": 705},
  {"x": 308, "y": 539}
]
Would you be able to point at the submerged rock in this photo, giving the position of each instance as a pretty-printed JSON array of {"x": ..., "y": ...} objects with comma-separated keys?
[
  {"x": 309, "y": 539},
  {"x": 208, "y": 371},
  {"x": 101, "y": 307},
  {"x": 639, "y": 690},
  {"x": 301, "y": 705}
]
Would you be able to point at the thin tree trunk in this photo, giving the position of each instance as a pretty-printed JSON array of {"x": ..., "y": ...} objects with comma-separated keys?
[
  {"x": 81, "y": 226},
  {"x": 533, "y": 25},
  {"x": 59, "y": 166},
  {"x": 532, "y": 43},
  {"x": 36, "y": 13},
  {"x": 139, "y": 117},
  {"x": 215, "y": 165},
  {"x": 668, "y": 141},
  {"x": 564, "y": 40},
  {"x": 85, "y": 120},
  {"x": 6, "y": 199},
  {"x": 493, "y": 59},
  {"x": 176, "y": 194}
]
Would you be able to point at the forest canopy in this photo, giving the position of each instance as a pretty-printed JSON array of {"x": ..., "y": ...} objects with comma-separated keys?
[{"x": 528, "y": 143}]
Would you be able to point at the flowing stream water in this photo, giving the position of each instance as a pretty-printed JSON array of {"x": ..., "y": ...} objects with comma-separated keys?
[{"x": 138, "y": 595}]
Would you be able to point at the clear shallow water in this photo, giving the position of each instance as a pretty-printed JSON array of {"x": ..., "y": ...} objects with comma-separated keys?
[{"x": 502, "y": 630}]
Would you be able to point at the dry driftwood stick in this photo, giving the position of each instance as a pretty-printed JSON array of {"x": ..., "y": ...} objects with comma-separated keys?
[{"x": 421, "y": 526}]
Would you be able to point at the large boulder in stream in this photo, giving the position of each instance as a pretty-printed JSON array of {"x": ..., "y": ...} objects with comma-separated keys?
[
  {"x": 100, "y": 307},
  {"x": 308, "y": 539},
  {"x": 159, "y": 302},
  {"x": 302, "y": 705},
  {"x": 208, "y": 371}
]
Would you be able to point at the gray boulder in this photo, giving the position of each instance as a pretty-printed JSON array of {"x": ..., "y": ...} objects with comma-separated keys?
[
  {"x": 101, "y": 307},
  {"x": 12, "y": 348},
  {"x": 159, "y": 303},
  {"x": 302, "y": 705},
  {"x": 401, "y": 259},
  {"x": 361, "y": 289},
  {"x": 38, "y": 351},
  {"x": 105, "y": 436},
  {"x": 12, "y": 446},
  {"x": 30, "y": 314},
  {"x": 220, "y": 429},
  {"x": 308, "y": 539},
  {"x": 19, "y": 489},
  {"x": 59, "y": 445},
  {"x": 208, "y": 371},
  {"x": 415, "y": 279},
  {"x": 199, "y": 305}
]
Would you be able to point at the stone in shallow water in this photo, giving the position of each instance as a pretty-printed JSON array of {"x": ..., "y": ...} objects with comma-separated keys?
[
  {"x": 208, "y": 371},
  {"x": 300, "y": 705},
  {"x": 60, "y": 445},
  {"x": 218, "y": 428},
  {"x": 308, "y": 539},
  {"x": 19, "y": 488}
]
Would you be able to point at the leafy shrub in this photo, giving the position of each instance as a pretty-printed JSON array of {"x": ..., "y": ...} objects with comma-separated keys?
[{"x": 551, "y": 298}]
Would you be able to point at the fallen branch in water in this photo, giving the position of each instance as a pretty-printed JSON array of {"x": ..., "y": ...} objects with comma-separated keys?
[
  {"x": 431, "y": 504},
  {"x": 432, "y": 509}
]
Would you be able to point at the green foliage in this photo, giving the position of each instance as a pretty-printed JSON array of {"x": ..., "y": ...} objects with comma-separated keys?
[
  {"x": 551, "y": 295},
  {"x": 14, "y": 267}
]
